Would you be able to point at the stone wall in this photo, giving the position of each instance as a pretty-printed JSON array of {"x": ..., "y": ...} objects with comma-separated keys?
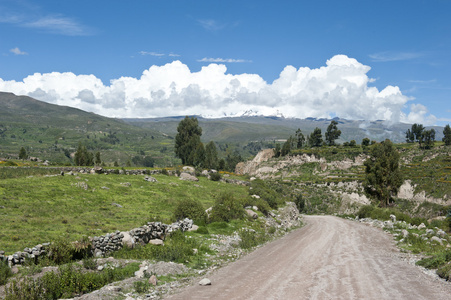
[{"x": 105, "y": 244}]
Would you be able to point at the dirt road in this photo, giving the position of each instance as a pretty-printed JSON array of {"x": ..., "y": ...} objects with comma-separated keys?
[{"x": 329, "y": 258}]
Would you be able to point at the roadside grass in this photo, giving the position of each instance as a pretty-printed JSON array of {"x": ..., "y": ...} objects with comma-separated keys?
[
  {"x": 68, "y": 281},
  {"x": 41, "y": 209}
]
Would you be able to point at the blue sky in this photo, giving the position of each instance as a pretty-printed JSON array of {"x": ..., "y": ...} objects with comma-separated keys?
[{"x": 152, "y": 58}]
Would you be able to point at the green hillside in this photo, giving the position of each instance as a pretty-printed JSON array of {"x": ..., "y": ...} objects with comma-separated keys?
[{"x": 52, "y": 132}]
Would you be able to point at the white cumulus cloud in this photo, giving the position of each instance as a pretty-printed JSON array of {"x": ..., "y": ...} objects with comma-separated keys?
[{"x": 340, "y": 88}]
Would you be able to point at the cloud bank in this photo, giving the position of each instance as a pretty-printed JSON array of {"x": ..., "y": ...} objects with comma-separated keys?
[{"x": 340, "y": 88}]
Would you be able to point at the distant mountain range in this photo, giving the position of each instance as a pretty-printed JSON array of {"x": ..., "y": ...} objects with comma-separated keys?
[
  {"x": 269, "y": 128},
  {"x": 48, "y": 130}
]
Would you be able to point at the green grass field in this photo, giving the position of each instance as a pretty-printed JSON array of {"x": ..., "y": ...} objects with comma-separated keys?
[{"x": 41, "y": 209}]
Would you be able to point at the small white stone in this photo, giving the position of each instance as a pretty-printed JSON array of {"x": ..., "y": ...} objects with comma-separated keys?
[{"x": 205, "y": 281}]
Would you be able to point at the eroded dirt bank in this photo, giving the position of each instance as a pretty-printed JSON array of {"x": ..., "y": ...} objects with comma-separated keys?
[{"x": 329, "y": 258}]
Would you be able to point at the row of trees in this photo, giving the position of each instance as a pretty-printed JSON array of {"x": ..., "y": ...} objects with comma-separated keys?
[
  {"x": 315, "y": 139},
  {"x": 426, "y": 137}
]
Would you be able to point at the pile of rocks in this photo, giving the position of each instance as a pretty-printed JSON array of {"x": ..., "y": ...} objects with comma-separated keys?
[
  {"x": 107, "y": 243},
  {"x": 28, "y": 253}
]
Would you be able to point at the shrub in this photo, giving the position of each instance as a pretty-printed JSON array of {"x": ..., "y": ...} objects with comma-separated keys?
[
  {"x": 5, "y": 272},
  {"x": 250, "y": 238},
  {"x": 176, "y": 248},
  {"x": 89, "y": 263},
  {"x": 61, "y": 251},
  {"x": 262, "y": 205},
  {"x": 436, "y": 261},
  {"x": 300, "y": 203},
  {"x": 215, "y": 176},
  {"x": 445, "y": 272},
  {"x": 365, "y": 211},
  {"x": 190, "y": 208},
  {"x": 202, "y": 230},
  {"x": 141, "y": 286},
  {"x": 68, "y": 281},
  {"x": 265, "y": 192},
  {"x": 226, "y": 208}
]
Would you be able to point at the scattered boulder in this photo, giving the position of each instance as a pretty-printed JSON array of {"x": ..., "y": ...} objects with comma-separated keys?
[
  {"x": 436, "y": 239},
  {"x": 128, "y": 240},
  {"x": 251, "y": 213},
  {"x": 188, "y": 177},
  {"x": 188, "y": 169},
  {"x": 150, "y": 179},
  {"x": 118, "y": 205},
  {"x": 153, "y": 280},
  {"x": 393, "y": 218},
  {"x": 205, "y": 282},
  {"x": 421, "y": 226},
  {"x": 156, "y": 242},
  {"x": 193, "y": 228},
  {"x": 405, "y": 233}
]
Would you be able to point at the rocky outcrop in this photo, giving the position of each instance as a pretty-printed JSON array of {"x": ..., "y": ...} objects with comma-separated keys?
[
  {"x": 250, "y": 167},
  {"x": 407, "y": 191}
]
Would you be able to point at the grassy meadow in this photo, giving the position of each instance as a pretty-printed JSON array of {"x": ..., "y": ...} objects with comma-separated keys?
[{"x": 37, "y": 209}]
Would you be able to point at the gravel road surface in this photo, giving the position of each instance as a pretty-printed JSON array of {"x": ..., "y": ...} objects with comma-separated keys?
[{"x": 329, "y": 258}]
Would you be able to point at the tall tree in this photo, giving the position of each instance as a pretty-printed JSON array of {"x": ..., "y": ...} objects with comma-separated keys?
[
  {"x": 98, "y": 161},
  {"x": 383, "y": 177},
  {"x": 187, "y": 139},
  {"x": 316, "y": 138},
  {"x": 199, "y": 156},
  {"x": 300, "y": 139},
  {"x": 286, "y": 148},
  {"x": 428, "y": 138},
  {"x": 332, "y": 133},
  {"x": 417, "y": 131},
  {"x": 83, "y": 157},
  {"x": 410, "y": 136},
  {"x": 365, "y": 142},
  {"x": 447, "y": 135},
  {"x": 211, "y": 156},
  {"x": 23, "y": 154},
  {"x": 277, "y": 150}
]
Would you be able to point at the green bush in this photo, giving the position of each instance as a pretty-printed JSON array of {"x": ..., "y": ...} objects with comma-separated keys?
[
  {"x": 141, "y": 287},
  {"x": 190, "y": 208},
  {"x": 445, "y": 271},
  {"x": 67, "y": 281},
  {"x": 436, "y": 261},
  {"x": 260, "y": 188},
  {"x": 215, "y": 176},
  {"x": 61, "y": 251},
  {"x": 89, "y": 263},
  {"x": 5, "y": 272},
  {"x": 417, "y": 221},
  {"x": 202, "y": 230},
  {"x": 300, "y": 203},
  {"x": 250, "y": 238},
  {"x": 226, "y": 208},
  {"x": 365, "y": 211}
]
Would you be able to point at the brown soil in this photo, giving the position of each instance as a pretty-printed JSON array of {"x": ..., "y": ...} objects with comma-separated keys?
[{"x": 329, "y": 258}]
